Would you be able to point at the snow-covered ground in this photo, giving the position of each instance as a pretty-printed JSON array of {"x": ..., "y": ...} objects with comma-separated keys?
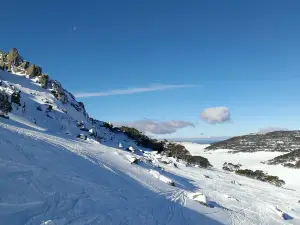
[
  {"x": 48, "y": 176},
  {"x": 251, "y": 161}
]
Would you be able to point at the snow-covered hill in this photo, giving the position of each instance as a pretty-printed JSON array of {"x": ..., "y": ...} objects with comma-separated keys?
[{"x": 59, "y": 166}]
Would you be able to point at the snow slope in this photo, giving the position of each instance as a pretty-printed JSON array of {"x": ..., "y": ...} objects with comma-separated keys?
[{"x": 48, "y": 176}]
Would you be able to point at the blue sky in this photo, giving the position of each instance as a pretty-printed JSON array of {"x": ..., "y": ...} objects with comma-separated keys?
[{"x": 193, "y": 55}]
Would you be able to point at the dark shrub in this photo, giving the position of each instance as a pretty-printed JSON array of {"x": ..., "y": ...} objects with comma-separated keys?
[
  {"x": 16, "y": 97},
  {"x": 5, "y": 104}
]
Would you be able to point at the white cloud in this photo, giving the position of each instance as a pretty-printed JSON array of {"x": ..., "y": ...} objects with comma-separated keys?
[
  {"x": 215, "y": 115},
  {"x": 271, "y": 129},
  {"x": 130, "y": 90},
  {"x": 155, "y": 127}
]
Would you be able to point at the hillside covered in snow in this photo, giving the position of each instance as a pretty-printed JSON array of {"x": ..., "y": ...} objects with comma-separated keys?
[{"x": 60, "y": 166}]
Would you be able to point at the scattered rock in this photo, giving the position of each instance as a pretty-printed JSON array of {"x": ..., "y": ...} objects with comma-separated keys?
[{"x": 82, "y": 136}]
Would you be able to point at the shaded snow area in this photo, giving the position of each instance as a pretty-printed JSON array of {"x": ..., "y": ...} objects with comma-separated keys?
[{"x": 58, "y": 166}]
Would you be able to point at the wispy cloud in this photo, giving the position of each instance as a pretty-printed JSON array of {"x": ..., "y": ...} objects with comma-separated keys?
[
  {"x": 157, "y": 127},
  {"x": 129, "y": 91}
]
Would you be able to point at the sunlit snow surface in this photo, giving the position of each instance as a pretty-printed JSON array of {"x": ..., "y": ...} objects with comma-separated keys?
[{"x": 48, "y": 177}]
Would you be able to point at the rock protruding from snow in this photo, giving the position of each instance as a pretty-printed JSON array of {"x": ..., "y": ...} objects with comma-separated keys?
[
  {"x": 130, "y": 149},
  {"x": 231, "y": 167},
  {"x": 82, "y": 136}
]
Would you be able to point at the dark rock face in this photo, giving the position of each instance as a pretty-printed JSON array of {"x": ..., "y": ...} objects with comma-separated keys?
[
  {"x": 24, "y": 65},
  {"x": 33, "y": 71},
  {"x": 231, "y": 167},
  {"x": 260, "y": 175},
  {"x": 283, "y": 141},
  {"x": 291, "y": 160},
  {"x": 13, "y": 58},
  {"x": 5, "y": 104},
  {"x": 2, "y": 64}
]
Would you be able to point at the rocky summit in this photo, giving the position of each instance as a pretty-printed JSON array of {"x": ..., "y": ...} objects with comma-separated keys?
[{"x": 279, "y": 141}]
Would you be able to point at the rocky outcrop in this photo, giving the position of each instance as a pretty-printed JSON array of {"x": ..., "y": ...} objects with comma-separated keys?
[
  {"x": 13, "y": 58},
  {"x": 33, "y": 71},
  {"x": 282, "y": 141},
  {"x": 58, "y": 91},
  {"x": 291, "y": 160}
]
